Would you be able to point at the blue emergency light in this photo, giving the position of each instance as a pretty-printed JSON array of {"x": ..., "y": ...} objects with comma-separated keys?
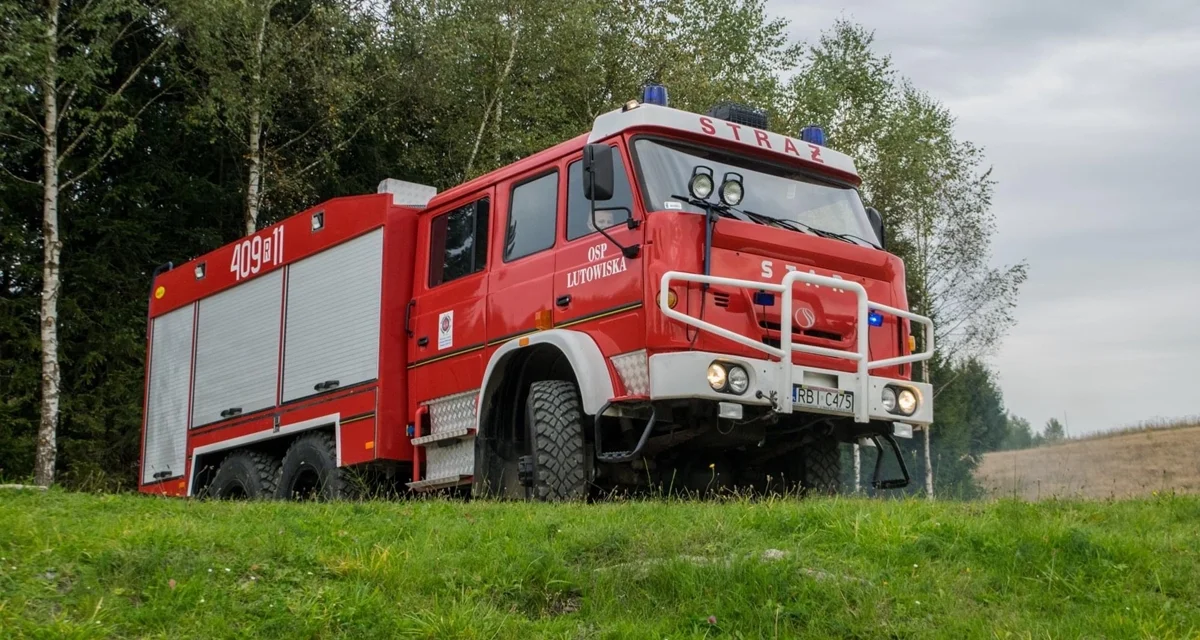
[
  {"x": 654, "y": 93},
  {"x": 875, "y": 319},
  {"x": 813, "y": 135}
]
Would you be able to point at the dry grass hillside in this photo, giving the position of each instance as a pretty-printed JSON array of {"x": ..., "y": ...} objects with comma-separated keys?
[{"x": 1133, "y": 463}]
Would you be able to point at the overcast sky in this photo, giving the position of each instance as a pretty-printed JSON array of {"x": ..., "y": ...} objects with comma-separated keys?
[{"x": 1089, "y": 112}]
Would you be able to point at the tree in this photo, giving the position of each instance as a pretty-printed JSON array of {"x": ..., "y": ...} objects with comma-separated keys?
[
  {"x": 64, "y": 97},
  {"x": 280, "y": 80},
  {"x": 1019, "y": 434},
  {"x": 1054, "y": 431}
]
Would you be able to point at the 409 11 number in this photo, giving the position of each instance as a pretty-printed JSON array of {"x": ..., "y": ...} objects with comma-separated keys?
[{"x": 254, "y": 254}]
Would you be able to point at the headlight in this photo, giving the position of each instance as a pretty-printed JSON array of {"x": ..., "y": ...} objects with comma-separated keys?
[
  {"x": 739, "y": 380},
  {"x": 889, "y": 399},
  {"x": 731, "y": 192},
  {"x": 907, "y": 401},
  {"x": 716, "y": 376},
  {"x": 701, "y": 186}
]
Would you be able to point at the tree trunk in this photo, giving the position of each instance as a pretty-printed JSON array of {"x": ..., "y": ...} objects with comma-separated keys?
[
  {"x": 857, "y": 469},
  {"x": 508, "y": 65},
  {"x": 925, "y": 431},
  {"x": 254, "y": 181},
  {"x": 47, "y": 445}
]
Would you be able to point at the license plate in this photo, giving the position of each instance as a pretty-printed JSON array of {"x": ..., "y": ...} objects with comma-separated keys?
[{"x": 823, "y": 399}]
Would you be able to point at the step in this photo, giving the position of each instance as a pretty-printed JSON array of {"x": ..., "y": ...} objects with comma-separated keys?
[
  {"x": 453, "y": 434},
  {"x": 439, "y": 483}
]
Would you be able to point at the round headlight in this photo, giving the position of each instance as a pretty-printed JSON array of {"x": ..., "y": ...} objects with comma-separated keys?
[
  {"x": 716, "y": 376},
  {"x": 701, "y": 186},
  {"x": 731, "y": 192},
  {"x": 889, "y": 399},
  {"x": 907, "y": 401},
  {"x": 739, "y": 380}
]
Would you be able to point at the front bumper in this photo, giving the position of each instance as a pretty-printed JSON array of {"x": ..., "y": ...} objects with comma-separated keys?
[{"x": 683, "y": 375}]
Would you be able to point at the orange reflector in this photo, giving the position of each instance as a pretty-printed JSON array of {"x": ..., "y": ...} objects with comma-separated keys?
[
  {"x": 182, "y": 484},
  {"x": 369, "y": 445},
  {"x": 524, "y": 342},
  {"x": 912, "y": 343},
  {"x": 160, "y": 292},
  {"x": 542, "y": 320}
]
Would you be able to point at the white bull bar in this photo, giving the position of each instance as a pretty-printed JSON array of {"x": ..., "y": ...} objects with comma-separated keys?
[{"x": 786, "y": 347}]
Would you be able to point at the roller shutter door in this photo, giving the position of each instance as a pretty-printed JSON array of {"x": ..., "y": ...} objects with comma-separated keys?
[
  {"x": 237, "y": 349},
  {"x": 167, "y": 405},
  {"x": 333, "y": 308}
]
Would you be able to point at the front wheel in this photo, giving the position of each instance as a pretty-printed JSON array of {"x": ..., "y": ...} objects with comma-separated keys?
[
  {"x": 554, "y": 417},
  {"x": 821, "y": 467}
]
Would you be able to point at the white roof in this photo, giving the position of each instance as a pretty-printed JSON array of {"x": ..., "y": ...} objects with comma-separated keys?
[{"x": 649, "y": 115}]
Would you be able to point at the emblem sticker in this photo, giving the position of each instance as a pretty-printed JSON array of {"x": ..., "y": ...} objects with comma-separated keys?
[{"x": 446, "y": 330}]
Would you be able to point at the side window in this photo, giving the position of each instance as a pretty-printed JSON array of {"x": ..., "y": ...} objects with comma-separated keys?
[
  {"x": 608, "y": 212},
  {"x": 458, "y": 242},
  {"x": 532, "y": 214}
]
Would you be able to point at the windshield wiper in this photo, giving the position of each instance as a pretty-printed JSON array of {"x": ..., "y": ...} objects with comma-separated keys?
[{"x": 800, "y": 226}]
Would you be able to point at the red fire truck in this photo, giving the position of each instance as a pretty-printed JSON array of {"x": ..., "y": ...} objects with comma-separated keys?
[{"x": 671, "y": 300}]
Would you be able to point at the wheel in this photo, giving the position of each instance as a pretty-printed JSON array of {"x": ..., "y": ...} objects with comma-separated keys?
[
  {"x": 821, "y": 467},
  {"x": 310, "y": 470},
  {"x": 245, "y": 474},
  {"x": 554, "y": 417}
]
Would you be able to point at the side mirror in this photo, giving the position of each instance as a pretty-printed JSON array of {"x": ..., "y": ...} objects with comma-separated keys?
[
  {"x": 876, "y": 219},
  {"x": 598, "y": 172}
]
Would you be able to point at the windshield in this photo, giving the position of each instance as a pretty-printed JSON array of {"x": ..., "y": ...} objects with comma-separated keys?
[{"x": 770, "y": 190}]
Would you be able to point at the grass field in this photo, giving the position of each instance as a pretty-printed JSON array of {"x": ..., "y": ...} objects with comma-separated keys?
[
  {"x": 82, "y": 566},
  {"x": 1132, "y": 462}
]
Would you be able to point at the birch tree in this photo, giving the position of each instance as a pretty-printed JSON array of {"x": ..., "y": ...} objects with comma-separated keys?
[
  {"x": 281, "y": 81},
  {"x": 62, "y": 94}
]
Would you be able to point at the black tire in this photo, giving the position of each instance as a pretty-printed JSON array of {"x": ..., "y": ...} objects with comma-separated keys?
[
  {"x": 821, "y": 467},
  {"x": 310, "y": 470},
  {"x": 247, "y": 475},
  {"x": 554, "y": 417}
]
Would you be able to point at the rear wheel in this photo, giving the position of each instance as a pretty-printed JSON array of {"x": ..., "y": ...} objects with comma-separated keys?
[
  {"x": 310, "y": 470},
  {"x": 554, "y": 417},
  {"x": 245, "y": 475}
]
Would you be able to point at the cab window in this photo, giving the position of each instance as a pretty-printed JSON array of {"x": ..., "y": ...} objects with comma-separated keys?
[
  {"x": 608, "y": 212},
  {"x": 458, "y": 243},
  {"x": 532, "y": 214}
]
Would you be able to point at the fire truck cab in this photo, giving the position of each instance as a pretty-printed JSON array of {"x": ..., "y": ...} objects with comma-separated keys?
[{"x": 672, "y": 300}]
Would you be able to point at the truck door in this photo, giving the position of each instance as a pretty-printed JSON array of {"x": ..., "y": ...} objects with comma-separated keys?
[
  {"x": 522, "y": 280},
  {"x": 591, "y": 276},
  {"x": 450, "y": 293}
]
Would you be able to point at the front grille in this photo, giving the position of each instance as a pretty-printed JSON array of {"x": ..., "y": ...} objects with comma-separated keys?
[{"x": 811, "y": 333}]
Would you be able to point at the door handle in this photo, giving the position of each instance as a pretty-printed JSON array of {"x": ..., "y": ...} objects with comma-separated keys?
[
  {"x": 408, "y": 317},
  {"x": 563, "y": 301},
  {"x": 422, "y": 341}
]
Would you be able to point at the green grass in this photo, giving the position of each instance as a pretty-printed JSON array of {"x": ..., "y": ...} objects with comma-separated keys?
[{"x": 77, "y": 565}]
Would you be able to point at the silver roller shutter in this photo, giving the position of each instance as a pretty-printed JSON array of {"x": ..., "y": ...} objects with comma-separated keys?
[
  {"x": 166, "y": 407},
  {"x": 333, "y": 317},
  {"x": 237, "y": 349}
]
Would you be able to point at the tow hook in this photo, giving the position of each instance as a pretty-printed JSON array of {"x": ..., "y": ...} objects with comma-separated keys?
[{"x": 525, "y": 471}]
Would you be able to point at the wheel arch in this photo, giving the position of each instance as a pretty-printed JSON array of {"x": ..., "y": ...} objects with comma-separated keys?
[{"x": 588, "y": 366}]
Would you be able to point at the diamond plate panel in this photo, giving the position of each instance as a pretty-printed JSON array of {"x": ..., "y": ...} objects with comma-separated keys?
[
  {"x": 451, "y": 413},
  {"x": 635, "y": 374},
  {"x": 453, "y": 460}
]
